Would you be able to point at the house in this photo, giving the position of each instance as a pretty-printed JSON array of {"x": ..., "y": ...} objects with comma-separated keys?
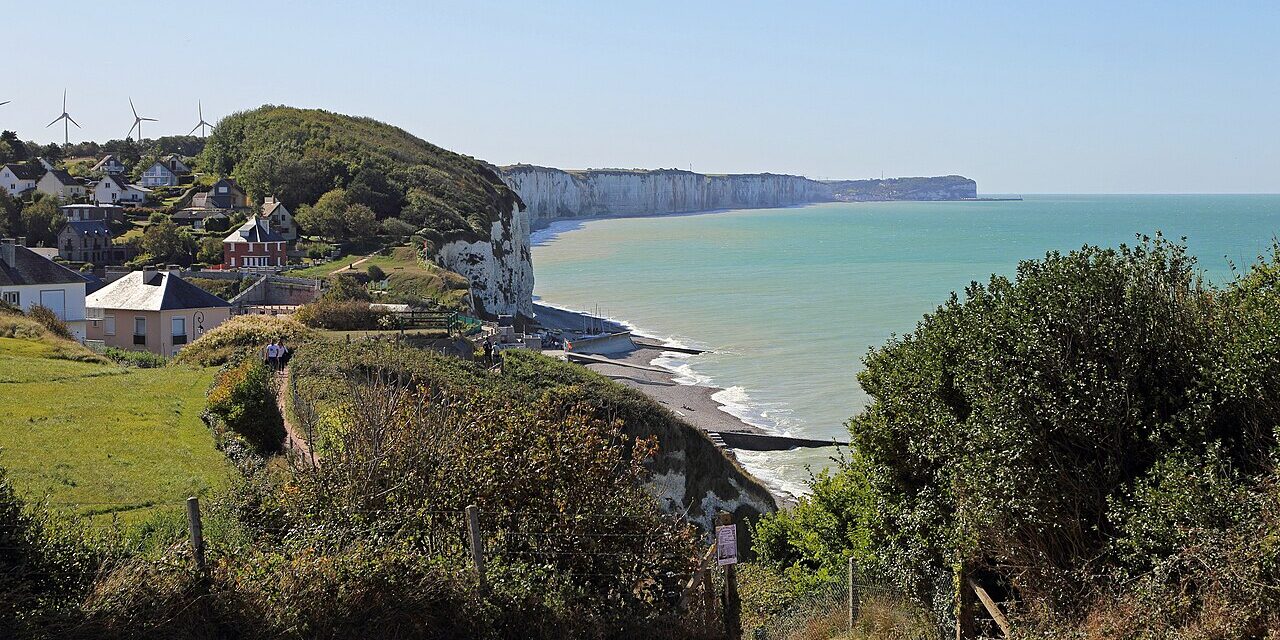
[
  {"x": 224, "y": 194},
  {"x": 89, "y": 241},
  {"x": 60, "y": 184},
  {"x": 165, "y": 172},
  {"x": 28, "y": 278},
  {"x": 202, "y": 219},
  {"x": 109, "y": 165},
  {"x": 153, "y": 310},
  {"x": 279, "y": 218},
  {"x": 113, "y": 188},
  {"x": 254, "y": 246},
  {"x": 109, "y": 213},
  {"x": 18, "y": 179}
]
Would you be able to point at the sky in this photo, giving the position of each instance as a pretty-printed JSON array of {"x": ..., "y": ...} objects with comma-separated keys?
[{"x": 1070, "y": 97}]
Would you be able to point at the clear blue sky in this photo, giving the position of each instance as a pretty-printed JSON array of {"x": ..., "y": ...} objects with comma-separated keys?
[{"x": 1079, "y": 97}]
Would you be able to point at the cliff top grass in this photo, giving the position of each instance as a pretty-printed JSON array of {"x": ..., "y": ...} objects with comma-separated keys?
[
  {"x": 100, "y": 439},
  {"x": 409, "y": 279}
]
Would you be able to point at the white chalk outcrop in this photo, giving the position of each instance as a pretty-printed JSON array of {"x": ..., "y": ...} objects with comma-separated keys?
[
  {"x": 554, "y": 193},
  {"x": 499, "y": 267}
]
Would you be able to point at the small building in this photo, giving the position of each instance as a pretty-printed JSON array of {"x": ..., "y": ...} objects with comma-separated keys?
[
  {"x": 165, "y": 172},
  {"x": 254, "y": 246},
  {"x": 60, "y": 184},
  {"x": 153, "y": 310},
  {"x": 113, "y": 188},
  {"x": 18, "y": 179},
  {"x": 279, "y": 218},
  {"x": 88, "y": 241},
  {"x": 28, "y": 279},
  {"x": 109, "y": 165},
  {"x": 108, "y": 213},
  {"x": 224, "y": 194}
]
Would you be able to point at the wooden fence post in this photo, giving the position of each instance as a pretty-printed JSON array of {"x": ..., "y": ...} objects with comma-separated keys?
[
  {"x": 965, "y": 627},
  {"x": 732, "y": 606},
  {"x": 992, "y": 608},
  {"x": 477, "y": 543},
  {"x": 197, "y": 532}
]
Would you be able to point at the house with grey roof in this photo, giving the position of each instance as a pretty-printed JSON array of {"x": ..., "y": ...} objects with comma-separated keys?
[
  {"x": 165, "y": 172},
  {"x": 254, "y": 246},
  {"x": 60, "y": 184},
  {"x": 89, "y": 241},
  {"x": 114, "y": 189},
  {"x": 28, "y": 279},
  {"x": 279, "y": 218},
  {"x": 17, "y": 179},
  {"x": 153, "y": 310},
  {"x": 110, "y": 164}
]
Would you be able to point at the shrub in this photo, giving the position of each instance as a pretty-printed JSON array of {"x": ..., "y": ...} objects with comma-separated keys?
[
  {"x": 347, "y": 287},
  {"x": 139, "y": 359},
  {"x": 50, "y": 321},
  {"x": 242, "y": 335},
  {"x": 397, "y": 228},
  {"x": 339, "y": 315},
  {"x": 376, "y": 274},
  {"x": 243, "y": 397}
]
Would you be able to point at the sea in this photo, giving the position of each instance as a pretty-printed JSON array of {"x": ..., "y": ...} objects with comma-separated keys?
[{"x": 790, "y": 300}]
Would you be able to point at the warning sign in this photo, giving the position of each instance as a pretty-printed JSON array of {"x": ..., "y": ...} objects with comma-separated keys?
[{"x": 727, "y": 544}]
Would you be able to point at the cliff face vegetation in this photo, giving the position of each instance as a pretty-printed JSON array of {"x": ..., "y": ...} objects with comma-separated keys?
[
  {"x": 297, "y": 155},
  {"x": 935, "y": 188}
]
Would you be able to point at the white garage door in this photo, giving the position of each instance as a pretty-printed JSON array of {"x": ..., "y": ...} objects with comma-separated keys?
[{"x": 56, "y": 300}]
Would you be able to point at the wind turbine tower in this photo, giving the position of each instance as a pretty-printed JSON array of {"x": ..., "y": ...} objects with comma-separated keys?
[
  {"x": 65, "y": 118},
  {"x": 202, "y": 124},
  {"x": 137, "y": 122}
]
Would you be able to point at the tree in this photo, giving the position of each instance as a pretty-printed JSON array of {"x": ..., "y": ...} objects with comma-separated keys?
[
  {"x": 166, "y": 242},
  {"x": 325, "y": 217},
  {"x": 10, "y": 214},
  {"x": 17, "y": 149},
  {"x": 210, "y": 251},
  {"x": 346, "y": 287},
  {"x": 376, "y": 274},
  {"x": 361, "y": 223},
  {"x": 41, "y": 222}
]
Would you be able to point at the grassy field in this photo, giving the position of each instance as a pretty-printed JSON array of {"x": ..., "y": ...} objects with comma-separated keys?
[
  {"x": 101, "y": 439},
  {"x": 407, "y": 277}
]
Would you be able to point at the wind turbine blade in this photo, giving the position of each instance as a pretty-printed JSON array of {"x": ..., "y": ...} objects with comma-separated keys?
[
  {"x": 64, "y": 100},
  {"x": 193, "y": 129},
  {"x": 200, "y": 108},
  {"x": 149, "y": 119},
  {"x": 55, "y": 121},
  {"x": 77, "y": 124},
  {"x": 135, "y": 126},
  {"x": 5, "y": 102},
  {"x": 131, "y": 108}
]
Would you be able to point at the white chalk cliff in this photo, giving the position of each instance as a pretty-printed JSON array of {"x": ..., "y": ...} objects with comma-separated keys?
[
  {"x": 500, "y": 267},
  {"x": 554, "y": 193}
]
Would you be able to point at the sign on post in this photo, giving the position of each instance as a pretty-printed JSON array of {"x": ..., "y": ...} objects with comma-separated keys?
[{"x": 727, "y": 544}]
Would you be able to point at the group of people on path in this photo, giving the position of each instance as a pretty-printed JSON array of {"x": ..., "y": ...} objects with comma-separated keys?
[{"x": 276, "y": 355}]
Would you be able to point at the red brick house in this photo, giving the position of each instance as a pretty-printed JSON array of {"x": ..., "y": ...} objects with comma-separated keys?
[{"x": 254, "y": 246}]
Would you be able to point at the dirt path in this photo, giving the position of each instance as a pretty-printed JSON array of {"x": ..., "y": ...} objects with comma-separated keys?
[
  {"x": 350, "y": 265},
  {"x": 294, "y": 441}
]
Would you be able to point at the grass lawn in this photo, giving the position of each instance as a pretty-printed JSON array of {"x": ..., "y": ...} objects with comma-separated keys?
[
  {"x": 323, "y": 269},
  {"x": 101, "y": 439},
  {"x": 406, "y": 275}
]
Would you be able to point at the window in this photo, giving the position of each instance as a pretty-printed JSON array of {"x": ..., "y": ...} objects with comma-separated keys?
[
  {"x": 139, "y": 330},
  {"x": 13, "y": 297},
  {"x": 179, "y": 326},
  {"x": 109, "y": 325}
]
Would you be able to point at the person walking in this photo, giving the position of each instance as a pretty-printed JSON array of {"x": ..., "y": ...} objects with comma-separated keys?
[
  {"x": 269, "y": 355},
  {"x": 273, "y": 354},
  {"x": 282, "y": 354},
  {"x": 488, "y": 351}
]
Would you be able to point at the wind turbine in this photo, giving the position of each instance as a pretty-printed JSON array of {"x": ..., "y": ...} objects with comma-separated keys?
[
  {"x": 5, "y": 102},
  {"x": 201, "y": 125},
  {"x": 65, "y": 117},
  {"x": 137, "y": 122}
]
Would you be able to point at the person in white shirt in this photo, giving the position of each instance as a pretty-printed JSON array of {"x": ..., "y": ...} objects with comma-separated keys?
[{"x": 273, "y": 355}]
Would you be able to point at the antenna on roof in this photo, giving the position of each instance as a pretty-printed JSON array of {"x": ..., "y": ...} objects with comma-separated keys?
[
  {"x": 65, "y": 118},
  {"x": 137, "y": 122},
  {"x": 202, "y": 124}
]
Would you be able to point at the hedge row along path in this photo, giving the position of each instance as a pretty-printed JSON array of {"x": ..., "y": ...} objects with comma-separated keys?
[{"x": 293, "y": 440}]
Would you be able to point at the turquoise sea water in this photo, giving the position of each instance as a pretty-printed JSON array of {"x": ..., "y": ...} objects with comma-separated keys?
[{"x": 791, "y": 299}]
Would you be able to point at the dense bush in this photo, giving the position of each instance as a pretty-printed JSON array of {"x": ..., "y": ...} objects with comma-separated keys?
[
  {"x": 339, "y": 315},
  {"x": 50, "y": 321},
  {"x": 1086, "y": 424},
  {"x": 241, "y": 335},
  {"x": 347, "y": 287},
  {"x": 243, "y": 396},
  {"x": 376, "y": 274}
]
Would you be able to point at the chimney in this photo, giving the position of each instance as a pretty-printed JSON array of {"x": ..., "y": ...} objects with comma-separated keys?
[
  {"x": 148, "y": 273},
  {"x": 22, "y": 241},
  {"x": 174, "y": 270},
  {"x": 6, "y": 251}
]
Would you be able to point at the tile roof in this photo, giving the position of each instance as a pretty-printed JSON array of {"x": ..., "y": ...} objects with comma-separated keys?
[
  {"x": 24, "y": 171},
  {"x": 160, "y": 291},
  {"x": 64, "y": 178},
  {"x": 254, "y": 230},
  {"x": 30, "y": 267},
  {"x": 87, "y": 227}
]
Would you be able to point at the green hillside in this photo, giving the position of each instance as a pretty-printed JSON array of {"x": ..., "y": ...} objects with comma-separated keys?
[{"x": 299, "y": 154}]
